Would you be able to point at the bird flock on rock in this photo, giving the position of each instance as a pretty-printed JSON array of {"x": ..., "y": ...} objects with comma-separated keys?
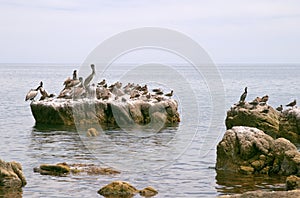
[
  {"x": 263, "y": 100},
  {"x": 79, "y": 88}
]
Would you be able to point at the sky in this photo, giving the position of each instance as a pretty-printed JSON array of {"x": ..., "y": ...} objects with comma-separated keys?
[{"x": 231, "y": 31}]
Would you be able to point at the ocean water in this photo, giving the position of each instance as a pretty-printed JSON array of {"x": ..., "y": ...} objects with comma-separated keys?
[{"x": 178, "y": 161}]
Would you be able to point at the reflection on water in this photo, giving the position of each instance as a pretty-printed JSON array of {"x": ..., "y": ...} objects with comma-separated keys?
[{"x": 232, "y": 183}]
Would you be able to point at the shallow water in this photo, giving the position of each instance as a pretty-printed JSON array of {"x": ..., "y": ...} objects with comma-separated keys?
[{"x": 178, "y": 161}]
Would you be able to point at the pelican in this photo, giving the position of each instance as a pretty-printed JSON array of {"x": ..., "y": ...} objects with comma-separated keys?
[
  {"x": 87, "y": 81},
  {"x": 33, "y": 92},
  {"x": 244, "y": 95}
]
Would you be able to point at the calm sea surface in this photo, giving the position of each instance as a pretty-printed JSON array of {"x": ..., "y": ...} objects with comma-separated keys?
[{"x": 178, "y": 161}]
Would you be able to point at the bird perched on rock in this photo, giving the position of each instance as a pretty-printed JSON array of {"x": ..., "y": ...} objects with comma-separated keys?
[
  {"x": 88, "y": 79},
  {"x": 75, "y": 75},
  {"x": 102, "y": 82},
  {"x": 169, "y": 94},
  {"x": 265, "y": 98},
  {"x": 32, "y": 93},
  {"x": 280, "y": 108},
  {"x": 243, "y": 96},
  {"x": 291, "y": 104}
]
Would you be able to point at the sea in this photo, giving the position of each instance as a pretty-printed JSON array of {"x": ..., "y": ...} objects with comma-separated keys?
[{"x": 178, "y": 161}]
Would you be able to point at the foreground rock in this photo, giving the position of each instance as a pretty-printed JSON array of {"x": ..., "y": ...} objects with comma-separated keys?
[
  {"x": 263, "y": 194},
  {"x": 11, "y": 175},
  {"x": 63, "y": 169},
  {"x": 267, "y": 119},
  {"x": 292, "y": 182},
  {"x": 124, "y": 189},
  {"x": 86, "y": 111},
  {"x": 249, "y": 150}
]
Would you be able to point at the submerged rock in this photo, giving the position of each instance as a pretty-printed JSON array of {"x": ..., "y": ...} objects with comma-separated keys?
[
  {"x": 60, "y": 169},
  {"x": 249, "y": 150},
  {"x": 11, "y": 175},
  {"x": 148, "y": 192},
  {"x": 267, "y": 119},
  {"x": 86, "y": 111},
  {"x": 63, "y": 169}
]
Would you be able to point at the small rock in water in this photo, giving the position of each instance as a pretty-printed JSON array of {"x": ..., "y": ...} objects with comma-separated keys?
[
  {"x": 118, "y": 189},
  {"x": 11, "y": 175},
  {"x": 60, "y": 169},
  {"x": 292, "y": 182},
  {"x": 148, "y": 192},
  {"x": 92, "y": 132}
]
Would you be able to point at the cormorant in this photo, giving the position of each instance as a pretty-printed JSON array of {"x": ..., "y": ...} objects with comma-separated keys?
[
  {"x": 244, "y": 95},
  {"x": 291, "y": 104}
]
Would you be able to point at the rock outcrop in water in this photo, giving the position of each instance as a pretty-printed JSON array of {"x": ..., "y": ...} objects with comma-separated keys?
[
  {"x": 85, "y": 111},
  {"x": 262, "y": 116},
  {"x": 124, "y": 189},
  {"x": 11, "y": 175},
  {"x": 264, "y": 194},
  {"x": 249, "y": 150}
]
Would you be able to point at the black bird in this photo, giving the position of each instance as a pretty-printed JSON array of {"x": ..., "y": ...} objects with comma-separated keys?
[
  {"x": 33, "y": 92},
  {"x": 156, "y": 90},
  {"x": 244, "y": 95},
  {"x": 169, "y": 94},
  {"x": 280, "y": 108},
  {"x": 75, "y": 75},
  {"x": 291, "y": 104}
]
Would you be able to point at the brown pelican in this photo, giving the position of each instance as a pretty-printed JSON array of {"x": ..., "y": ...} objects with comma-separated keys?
[
  {"x": 88, "y": 80},
  {"x": 169, "y": 94},
  {"x": 243, "y": 96},
  {"x": 33, "y": 92},
  {"x": 280, "y": 108},
  {"x": 291, "y": 104},
  {"x": 78, "y": 91}
]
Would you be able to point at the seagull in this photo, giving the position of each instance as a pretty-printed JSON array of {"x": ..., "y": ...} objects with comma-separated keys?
[
  {"x": 244, "y": 95},
  {"x": 87, "y": 81},
  {"x": 291, "y": 104},
  {"x": 33, "y": 92}
]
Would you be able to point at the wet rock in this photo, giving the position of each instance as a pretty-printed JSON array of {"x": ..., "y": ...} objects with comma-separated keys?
[
  {"x": 60, "y": 169},
  {"x": 63, "y": 169},
  {"x": 86, "y": 111},
  {"x": 249, "y": 150},
  {"x": 148, "y": 192},
  {"x": 118, "y": 189},
  {"x": 292, "y": 182},
  {"x": 267, "y": 119},
  {"x": 264, "y": 194},
  {"x": 11, "y": 175}
]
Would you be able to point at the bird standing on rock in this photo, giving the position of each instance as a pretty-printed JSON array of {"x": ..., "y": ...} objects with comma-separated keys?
[
  {"x": 32, "y": 93},
  {"x": 292, "y": 104},
  {"x": 169, "y": 94},
  {"x": 265, "y": 99},
  {"x": 88, "y": 80},
  {"x": 243, "y": 96},
  {"x": 280, "y": 108}
]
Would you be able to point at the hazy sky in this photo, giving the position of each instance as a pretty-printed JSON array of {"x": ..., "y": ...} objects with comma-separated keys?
[{"x": 231, "y": 31}]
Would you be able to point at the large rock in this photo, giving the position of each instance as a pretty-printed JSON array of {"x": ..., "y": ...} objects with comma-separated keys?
[
  {"x": 249, "y": 150},
  {"x": 267, "y": 119},
  {"x": 85, "y": 111},
  {"x": 260, "y": 116},
  {"x": 11, "y": 175},
  {"x": 118, "y": 189}
]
